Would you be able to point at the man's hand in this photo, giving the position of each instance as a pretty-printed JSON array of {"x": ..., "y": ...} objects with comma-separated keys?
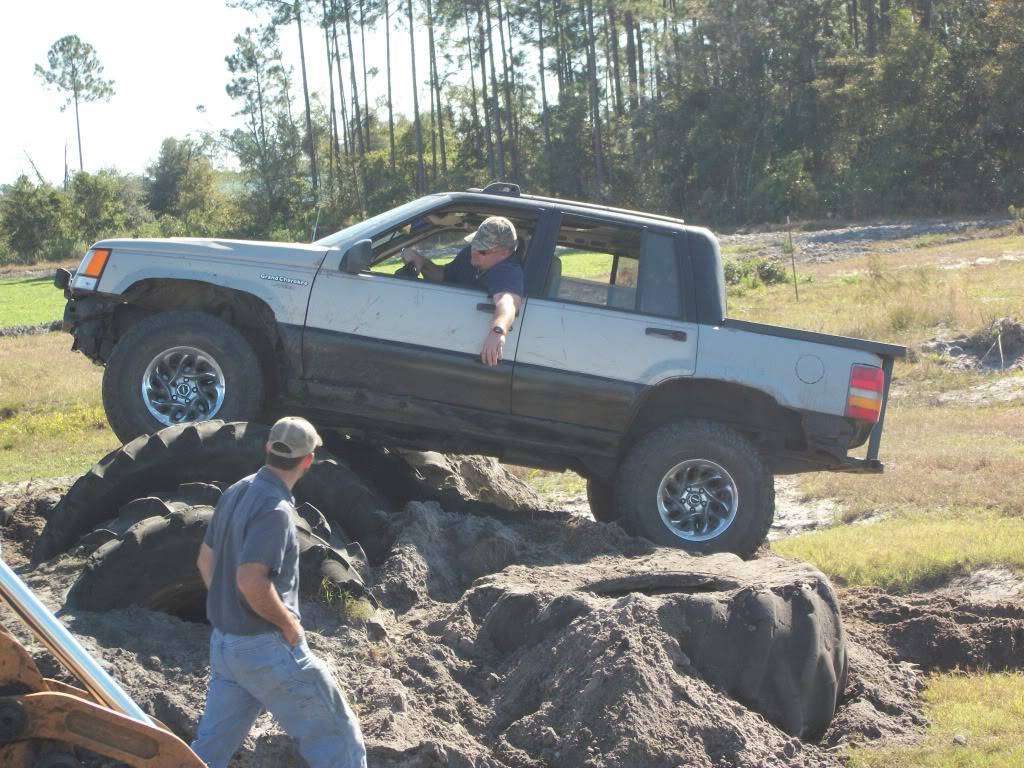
[
  {"x": 412, "y": 256},
  {"x": 293, "y": 632},
  {"x": 494, "y": 346}
]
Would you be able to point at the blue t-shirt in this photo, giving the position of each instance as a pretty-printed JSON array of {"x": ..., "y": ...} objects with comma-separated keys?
[
  {"x": 252, "y": 524},
  {"x": 504, "y": 277}
]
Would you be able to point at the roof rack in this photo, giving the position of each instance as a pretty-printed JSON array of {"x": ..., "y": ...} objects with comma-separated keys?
[
  {"x": 506, "y": 188},
  {"x": 509, "y": 189}
]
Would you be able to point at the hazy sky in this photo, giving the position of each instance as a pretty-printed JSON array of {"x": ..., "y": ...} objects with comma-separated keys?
[{"x": 165, "y": 57}]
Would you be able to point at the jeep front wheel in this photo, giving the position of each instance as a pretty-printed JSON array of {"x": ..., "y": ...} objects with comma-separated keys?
[
  {"x": 699, "y": 486},
  {"x": 178, "y": 367}
]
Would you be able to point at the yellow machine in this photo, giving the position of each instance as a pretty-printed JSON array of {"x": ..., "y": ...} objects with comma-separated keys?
[{"x": 43, "y": 720}]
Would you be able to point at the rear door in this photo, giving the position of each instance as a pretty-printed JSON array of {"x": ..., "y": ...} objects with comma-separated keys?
[{"x": 613, "y": 320}]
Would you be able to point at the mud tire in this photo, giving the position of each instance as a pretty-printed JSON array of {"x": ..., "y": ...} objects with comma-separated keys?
[
  {"x": 204, "y": 452},
  {"x": 654, "y": 454},
  {"x": 122, "y": 400},
  {"x": 153, "y": 566}
]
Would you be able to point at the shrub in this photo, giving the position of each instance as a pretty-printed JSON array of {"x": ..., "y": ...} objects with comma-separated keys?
[{"x": 754, "y": 272}]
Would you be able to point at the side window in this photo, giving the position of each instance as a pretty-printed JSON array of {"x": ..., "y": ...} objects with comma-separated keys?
[
  {"x": 595, "y": 264},
  {"x": 660, "y": 289},
  {"x": 440, "y": 247},
  {"x": 608, "y": 265}
]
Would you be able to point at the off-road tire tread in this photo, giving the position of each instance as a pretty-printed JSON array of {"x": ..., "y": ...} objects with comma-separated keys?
[
  {"x": 122, "y": 403},
  {"x": 153, "y": 565},
  {"x": 205, "y": 452},
  {"x": 651, "y": 449}
]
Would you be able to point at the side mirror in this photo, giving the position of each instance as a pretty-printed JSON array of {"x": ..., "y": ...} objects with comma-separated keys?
[{"x": 357, "y": 258}]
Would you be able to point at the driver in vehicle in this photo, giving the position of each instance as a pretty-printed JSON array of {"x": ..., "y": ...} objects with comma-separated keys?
[{"x": 487, "y": 263}]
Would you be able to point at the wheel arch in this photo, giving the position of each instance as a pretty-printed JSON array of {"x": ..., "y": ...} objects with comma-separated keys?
[
  {"x": 754, "y": 413},
  {"x": 250, "y": 315}
]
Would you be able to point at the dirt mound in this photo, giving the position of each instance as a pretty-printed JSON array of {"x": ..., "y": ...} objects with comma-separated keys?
[
  {"x": 24, "y": 509},
  {"x": 938, "y": 631},
  {"x": 997, "y": 347},
  {"x": 538, "y": 640}
]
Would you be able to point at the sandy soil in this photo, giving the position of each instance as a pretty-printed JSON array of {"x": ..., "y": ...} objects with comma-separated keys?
[{"x": 610, "y": 687}]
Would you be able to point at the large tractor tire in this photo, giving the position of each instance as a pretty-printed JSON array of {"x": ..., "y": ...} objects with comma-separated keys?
[
  {"x": 767, "y": 632},
  {"x": 697, "y": 485},
  {"x": 176, "y": 367},
  {"x": 205, "y": 452},
  {"x": 164, "y": 548}
]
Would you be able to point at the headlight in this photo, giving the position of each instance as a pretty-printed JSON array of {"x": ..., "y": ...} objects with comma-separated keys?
[{"x": 89, "y": 271}]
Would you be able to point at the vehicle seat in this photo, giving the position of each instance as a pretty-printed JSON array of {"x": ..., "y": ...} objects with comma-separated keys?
[{"x": 554, "y": 278}]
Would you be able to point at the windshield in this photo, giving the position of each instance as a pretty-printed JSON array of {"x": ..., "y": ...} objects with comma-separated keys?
[{"x": 369, "y": 226}]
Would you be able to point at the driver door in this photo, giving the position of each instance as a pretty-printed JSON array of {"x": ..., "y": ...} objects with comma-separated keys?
[{"x": 372, "y": 333}]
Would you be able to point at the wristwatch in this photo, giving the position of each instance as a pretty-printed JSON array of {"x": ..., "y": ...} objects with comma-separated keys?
[{"x": 498, "y": 330}]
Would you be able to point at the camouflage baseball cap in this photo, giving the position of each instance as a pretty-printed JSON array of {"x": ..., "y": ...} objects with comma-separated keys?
[
  {"x": 493, "y": 232},
  {"x": 293, "y": 437}
]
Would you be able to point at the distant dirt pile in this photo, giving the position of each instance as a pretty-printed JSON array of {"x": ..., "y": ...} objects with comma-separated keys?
[{"x": 997, "y": 347}]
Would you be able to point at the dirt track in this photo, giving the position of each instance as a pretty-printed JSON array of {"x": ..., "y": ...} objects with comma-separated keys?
[{"x": 610, "y": 689}]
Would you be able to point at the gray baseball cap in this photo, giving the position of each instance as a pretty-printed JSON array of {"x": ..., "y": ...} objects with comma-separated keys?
[
  {"x": 493, "y": 232},
  {"x": 293, "y": 437}
]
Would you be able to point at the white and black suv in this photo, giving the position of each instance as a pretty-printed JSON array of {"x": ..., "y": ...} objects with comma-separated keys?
[{"x": 621, "y": 364}]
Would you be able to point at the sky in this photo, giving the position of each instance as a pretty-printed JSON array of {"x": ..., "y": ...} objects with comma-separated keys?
[{"x": 165, "y": 57}]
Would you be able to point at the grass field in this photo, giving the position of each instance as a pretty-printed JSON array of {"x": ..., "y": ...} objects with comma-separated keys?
[{"x": 29, "y": 301}]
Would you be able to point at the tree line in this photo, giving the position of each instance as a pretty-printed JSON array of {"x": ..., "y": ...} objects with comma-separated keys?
[{"x": 723, "y": 113}]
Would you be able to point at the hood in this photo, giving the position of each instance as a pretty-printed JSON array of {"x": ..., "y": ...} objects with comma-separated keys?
[{"x": 299, "y": 255}]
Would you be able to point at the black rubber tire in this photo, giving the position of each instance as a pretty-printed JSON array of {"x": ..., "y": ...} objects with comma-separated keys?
[
  {"x": 153, "y": 565},
  {"x": 658, "y": 451},
  {"x": 122, "y": 400},
  {"x": 601, "y": 497},
  {"x": 204, "y": 452}
]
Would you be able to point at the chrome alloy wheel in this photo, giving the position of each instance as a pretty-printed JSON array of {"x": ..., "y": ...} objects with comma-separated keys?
[
  {"x": 697, "y": 500},
  {"x": 183, "y": 384}
]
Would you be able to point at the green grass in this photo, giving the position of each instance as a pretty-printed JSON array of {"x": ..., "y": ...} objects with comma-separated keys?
[
  {"x": 913, "y": 552},
  {"x": 985, "y": 711},
  {"x": 29, "y": 301},
  {"x": 51, "y": 417}
]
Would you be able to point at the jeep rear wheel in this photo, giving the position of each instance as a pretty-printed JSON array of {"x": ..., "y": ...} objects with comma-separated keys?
[
  {"x": 699, "y": 486},
  {"x": 178, "y": 367}
]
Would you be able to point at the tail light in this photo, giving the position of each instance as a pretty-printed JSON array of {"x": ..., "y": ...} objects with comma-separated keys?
[{"x": 864, "y": 399}]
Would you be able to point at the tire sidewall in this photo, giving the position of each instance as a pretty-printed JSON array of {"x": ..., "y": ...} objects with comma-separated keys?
[
  {"x": 656, "y": 453},
  {"x": 122, "y": 379}
]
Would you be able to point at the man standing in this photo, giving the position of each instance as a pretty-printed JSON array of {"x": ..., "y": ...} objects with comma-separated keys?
[
  {"x": 485, "y": 263},
  {"x": 259, "y": 659}
]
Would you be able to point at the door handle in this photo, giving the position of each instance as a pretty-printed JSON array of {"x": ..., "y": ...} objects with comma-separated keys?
[
  {"x": 670, "y": 333},
  {"x": 484, "y": 307}
]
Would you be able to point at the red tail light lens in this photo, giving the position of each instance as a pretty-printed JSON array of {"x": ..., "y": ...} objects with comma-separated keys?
[{"x": 864, "y": 398}]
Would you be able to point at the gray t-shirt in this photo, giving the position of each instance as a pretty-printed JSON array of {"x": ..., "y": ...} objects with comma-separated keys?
[{"x": 252, "y": 524}]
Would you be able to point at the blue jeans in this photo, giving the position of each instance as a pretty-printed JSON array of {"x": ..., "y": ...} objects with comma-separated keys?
[{"x": 250, "y": 673}]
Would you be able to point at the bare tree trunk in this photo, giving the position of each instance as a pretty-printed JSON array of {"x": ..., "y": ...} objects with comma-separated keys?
[
  {"x": 544, "y": 119},
  {"x": 498, "y": 133},
  {"x": 871, "y": 22},
  {"x": 333, "y": 157},
  {"x": 366, "y": 90},
  {"x": 435, "y": 85},
  {"x": 631, "y": 61},
  {"x": 510, "y": 113},
  {"x": 358, "y": 132},
  {"x": 421, "y": 173},
  {"x": 78, "y": 129},
  {"x": 474, "y": 115},
  {"x": 482, "y": 52},
  {"x": 595, "y": 105},
  {"x": 391, "y": 112},
  {"x": 613, "y": 38},
  {"x": 560, "y": 65},
  {"x": 310, "y": 142},
  {"x": 640, "y": 64}
]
